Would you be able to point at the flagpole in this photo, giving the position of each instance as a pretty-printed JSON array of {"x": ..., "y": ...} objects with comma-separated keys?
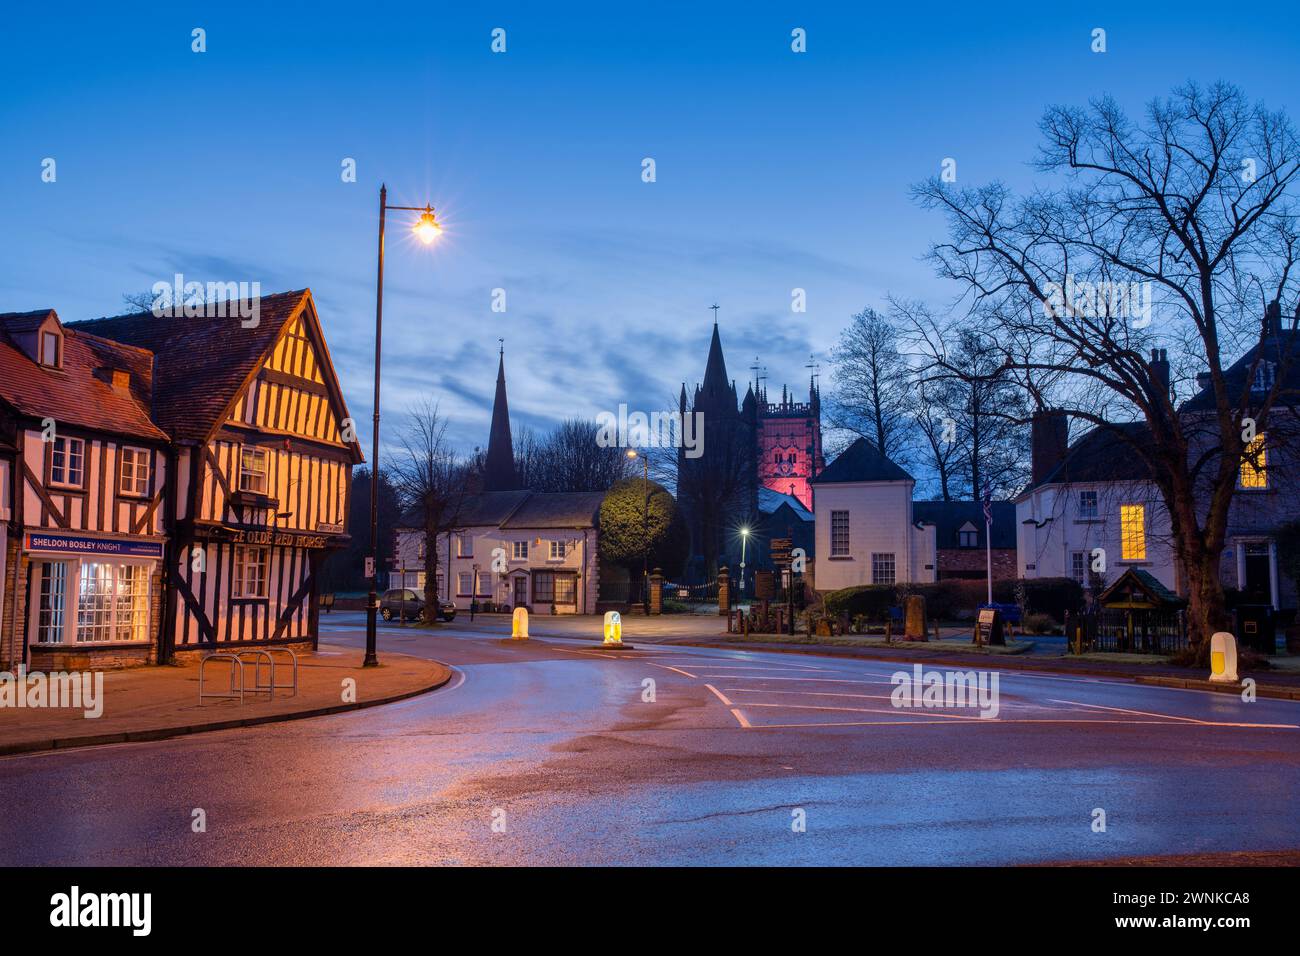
[{"x": 988, "y": 536}]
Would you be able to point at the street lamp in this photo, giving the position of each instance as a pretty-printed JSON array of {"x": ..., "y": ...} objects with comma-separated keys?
[
  {"x": 426, "y": 229},
  {"x": 645, "y": 533},
  {"x": 744, "y": 540}
]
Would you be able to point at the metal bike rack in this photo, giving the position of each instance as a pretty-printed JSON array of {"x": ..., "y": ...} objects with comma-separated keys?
[
  {"x": 293, "y": 660},
  {"x": 259, "y": 687},
  {"x": 236, "y": 668}
]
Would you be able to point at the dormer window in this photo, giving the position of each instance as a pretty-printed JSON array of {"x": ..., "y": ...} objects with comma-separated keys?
[
  {"x": 1265, "y": 376},
  {"x": 51, "y": 350}
]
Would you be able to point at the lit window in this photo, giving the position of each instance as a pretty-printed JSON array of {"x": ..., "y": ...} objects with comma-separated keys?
[
  {"x": 557, "y": 550},
  {"x": 1088, "y": 504},
  {"x": 134, "y": 475},
  {"x": 250, "y": 580},
  {"x": 252, "y": 470},
  {"x": 67, "y": 462},
  {"x": 882, "y": 568},
  {"x": 520, "y": 550},
  {"x": 839, "y": 534},
  {"x": 1133, "y": 532},
  {"x": 112, "y": 603},
  {"x": 1254, "y": 464},
  {"x": 464, "y": 547}
]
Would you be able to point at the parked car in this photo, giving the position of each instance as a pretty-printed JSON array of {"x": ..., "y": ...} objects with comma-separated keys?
[{"x": 405, "y": 604}]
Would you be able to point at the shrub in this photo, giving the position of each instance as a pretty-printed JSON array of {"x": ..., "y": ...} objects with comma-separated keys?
[
  {"x": 871, "y": 601},
  {"x": 1039, "y": 624},
  {"x": 1054, "y": 596}
]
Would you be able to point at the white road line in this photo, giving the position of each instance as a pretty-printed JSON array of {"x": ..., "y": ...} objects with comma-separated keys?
[
  {"x": 740, "y": 718},
  {"x": 1190, "y": 720},
  {"x": 669, "y": 667},
  {"x": 815, "y": 680},
  {"x": 859, "y": 710}
]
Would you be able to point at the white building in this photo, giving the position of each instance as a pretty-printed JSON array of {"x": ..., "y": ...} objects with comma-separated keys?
[
  {"x": 865, "y": 529},
  {"x": 513, "y": 548},
  {"x": 1090, "y": 507}
]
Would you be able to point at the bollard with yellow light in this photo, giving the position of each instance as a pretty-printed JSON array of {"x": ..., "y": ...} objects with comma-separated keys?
[
  {"x": 613, "y": 631},
  {"x": 1223, "y": 659},
  {"x": 519, "y": 625}
]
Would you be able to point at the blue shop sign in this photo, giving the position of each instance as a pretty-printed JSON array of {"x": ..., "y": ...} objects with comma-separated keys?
[{"x": 40, "y": 541}]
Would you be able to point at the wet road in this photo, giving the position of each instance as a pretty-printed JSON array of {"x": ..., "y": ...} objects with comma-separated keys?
[{"x": 555, "y": 753}]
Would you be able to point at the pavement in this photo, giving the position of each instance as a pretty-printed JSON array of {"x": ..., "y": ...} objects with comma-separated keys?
[
  {"x": 153, "y": 703},
  {"x": 555, "y": 752}
]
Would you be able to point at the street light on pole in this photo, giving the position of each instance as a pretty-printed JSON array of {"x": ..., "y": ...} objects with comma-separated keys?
[
  {"x": 744, "y": 541},
  {"x": 426, "y": 229}
]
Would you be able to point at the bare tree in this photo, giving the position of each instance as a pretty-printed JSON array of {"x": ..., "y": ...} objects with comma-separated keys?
[
  {"x": 571, "y": 458},
  {"x": 874, "y": 396},
  {"x": 432, "y": 482},
  {"x": 1191, "y": 209}
]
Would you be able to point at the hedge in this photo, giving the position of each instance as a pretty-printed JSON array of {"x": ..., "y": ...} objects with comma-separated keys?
[{"x": 946, "y": 600}]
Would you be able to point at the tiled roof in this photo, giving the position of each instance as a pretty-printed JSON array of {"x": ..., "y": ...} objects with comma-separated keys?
[
  {"x": 563, "y": 509},
  {"x": 948, "y": 517},
  {"x": 1103, "y": 454},
  {"x": 861, "y": 461},
  {"x": 80, "y": 393},
  {"x": 201, "y": 363},
  {"x": 1281, "y": 348}
]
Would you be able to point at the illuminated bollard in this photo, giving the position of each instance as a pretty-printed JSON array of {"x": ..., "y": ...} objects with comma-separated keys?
[
  {"x": 613, "y": 628},
  {"x": 1223, "y": 659},
  {"x": 519, "y": 625}
]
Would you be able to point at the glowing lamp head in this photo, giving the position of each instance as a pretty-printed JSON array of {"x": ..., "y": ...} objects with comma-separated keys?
[
  {"x": 631, "y": 453},
  {"x": 427, "y": 228},
  {"x": 744, "y": 532}
]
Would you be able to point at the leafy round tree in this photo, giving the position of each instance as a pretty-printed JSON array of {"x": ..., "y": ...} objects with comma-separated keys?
[{"x": 634, "y": 529}]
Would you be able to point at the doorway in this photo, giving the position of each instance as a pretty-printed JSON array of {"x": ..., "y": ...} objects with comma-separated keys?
[
  {"x": 1257, "y": 578},
  {"x": 521, "y": 591}
]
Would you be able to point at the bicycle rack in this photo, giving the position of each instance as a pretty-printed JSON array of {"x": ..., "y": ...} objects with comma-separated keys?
[
  {"x": 258, "y": 687},
  {"x": 293, "y": 660},
  {"x": 236, "y": 668}
]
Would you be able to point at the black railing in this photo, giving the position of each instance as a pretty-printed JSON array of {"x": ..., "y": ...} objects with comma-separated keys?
[{"x": 1126, "y": 631}]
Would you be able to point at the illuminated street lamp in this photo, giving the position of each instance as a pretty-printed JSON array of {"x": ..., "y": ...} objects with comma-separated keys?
[
  {"x": 426, "y": 229},
  {"x": 645, "y": 533},
  {"x": 744, "y": 540}
]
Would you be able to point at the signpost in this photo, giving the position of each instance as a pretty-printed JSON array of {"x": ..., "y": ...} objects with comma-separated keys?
[{"x": 988, "y": 627}]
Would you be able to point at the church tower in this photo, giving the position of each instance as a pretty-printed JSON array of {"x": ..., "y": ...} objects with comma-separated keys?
[
  {"x": 789, "y": 440},
  {"x": 499, "y": 466}
]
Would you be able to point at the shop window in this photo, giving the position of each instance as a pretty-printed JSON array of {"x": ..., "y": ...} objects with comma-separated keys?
[
  {"x": 565, "y": 590},
  {"x": 54, "y": 591},
  {"x": 543, "y": 587},
  {"x": 112, "y": 603}
]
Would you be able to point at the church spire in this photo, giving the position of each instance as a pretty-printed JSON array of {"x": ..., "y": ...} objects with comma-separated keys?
[
  {"x": 499, "y": 466},
  {"x": 715, "y": 369}
]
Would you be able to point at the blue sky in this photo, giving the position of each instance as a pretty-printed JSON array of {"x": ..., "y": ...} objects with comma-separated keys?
[{"x": 775, "y": 170}]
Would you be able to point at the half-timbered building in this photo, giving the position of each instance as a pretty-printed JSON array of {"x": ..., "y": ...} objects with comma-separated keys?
[
  {"x": 264, "y": 451},
  {"x": 83, "y": 472}
]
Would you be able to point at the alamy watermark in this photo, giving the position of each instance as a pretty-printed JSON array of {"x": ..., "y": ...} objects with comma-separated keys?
[
  {"x": 935, "y": 690},
  {"x": 1099, "y": 300},
  {"x": 213, "y": 300},
  {"x": 667, "y": 429},
  {"x": 78, "y": 690}
]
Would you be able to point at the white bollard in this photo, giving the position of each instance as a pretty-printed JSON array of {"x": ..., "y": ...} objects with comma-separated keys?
[
  {"x": 613, "y": 627},
  {"x": 1223, "y": 659},
  {"x": 519, "y": 625}
]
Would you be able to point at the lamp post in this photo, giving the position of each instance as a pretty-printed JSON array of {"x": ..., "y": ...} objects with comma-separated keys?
[
  {"x": 645, "y": 532},
  {"x": 426, "y": 229},
  {"x": 744, "y": 541}
]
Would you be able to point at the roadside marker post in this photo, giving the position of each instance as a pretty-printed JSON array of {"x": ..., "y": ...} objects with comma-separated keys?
[
  {"x": 613, "y": 631},
  {"x": 1223, "y": 659},
  {"x": 519, "y": 625}
]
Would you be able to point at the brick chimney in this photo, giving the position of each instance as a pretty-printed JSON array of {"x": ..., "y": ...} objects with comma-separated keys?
[
  {"x": 1160, "y": 371},
  {"x": 1049, "y": 441}
]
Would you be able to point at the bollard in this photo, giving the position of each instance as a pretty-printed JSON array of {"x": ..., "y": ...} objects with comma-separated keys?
[
  {"x": 519, "y": 625},
  {"x": 1223, "y": 658},
  {"x": 613, "y": 628}
]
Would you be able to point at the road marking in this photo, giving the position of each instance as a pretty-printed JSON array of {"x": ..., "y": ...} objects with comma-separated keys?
[
  {"x": 859, "y": 710},
  {"x": 805, "y": 693},
  {"x": 740, "y": 718},
  {"x": 669, "y": 667},
  {"x": 815, "y": 680},
  {"x": 1190, "y": 720}
]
